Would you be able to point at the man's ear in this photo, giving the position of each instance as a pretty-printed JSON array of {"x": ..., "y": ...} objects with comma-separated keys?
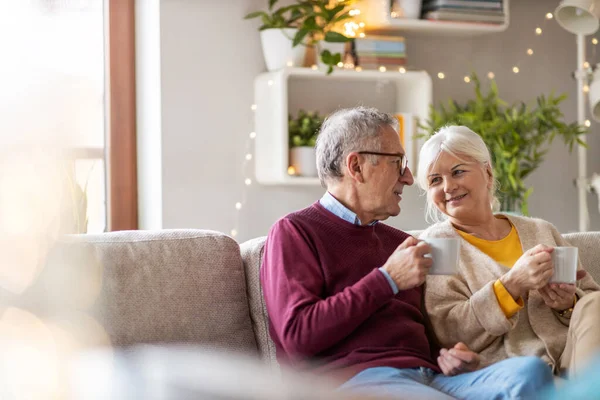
[{"x": 354, "y": 166}]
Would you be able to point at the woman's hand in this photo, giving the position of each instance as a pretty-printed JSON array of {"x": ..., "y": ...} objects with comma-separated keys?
[
  {"x": 560, "y": 296},
  {"x": 458, "y": 360},
  {"x": 532, "y": 271}
]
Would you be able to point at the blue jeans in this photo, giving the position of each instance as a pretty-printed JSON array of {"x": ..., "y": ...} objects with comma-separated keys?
[{"x": 514, "y": 378}]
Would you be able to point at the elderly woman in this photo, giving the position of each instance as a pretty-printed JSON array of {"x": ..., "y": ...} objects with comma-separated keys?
[{"x": 500, "y": 303}]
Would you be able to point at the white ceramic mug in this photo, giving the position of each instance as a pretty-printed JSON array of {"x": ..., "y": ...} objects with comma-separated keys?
[
  {"x": 565, "y": 264},
  {"x": 445, "y": 253}
]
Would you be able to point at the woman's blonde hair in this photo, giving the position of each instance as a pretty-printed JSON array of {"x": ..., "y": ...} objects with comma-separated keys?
[{"x": 461, "y": 142}]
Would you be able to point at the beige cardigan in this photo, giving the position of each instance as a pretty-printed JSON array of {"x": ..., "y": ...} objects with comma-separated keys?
[{"x": 464, "y": 308}]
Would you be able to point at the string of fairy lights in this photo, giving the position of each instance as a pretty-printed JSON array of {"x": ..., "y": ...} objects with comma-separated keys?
[{"x": 355, "y": 28}]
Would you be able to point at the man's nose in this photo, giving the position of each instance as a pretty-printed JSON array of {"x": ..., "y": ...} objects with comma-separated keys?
[{"x": 407, "y": 178}]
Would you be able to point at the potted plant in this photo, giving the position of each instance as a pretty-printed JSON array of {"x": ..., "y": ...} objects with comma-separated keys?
[
  {"x": 517, "y": 135},
  {"x": 279, "y": 27},
  {"x": 321, "y": 25},
  {"x": 303, "y": 132}
]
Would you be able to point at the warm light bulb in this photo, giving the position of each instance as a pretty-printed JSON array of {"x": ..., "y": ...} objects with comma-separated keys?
[
  {"x": 382, "y": 68},
  {"x": 491, "y": 75},
  {"x": 253, "y": 107},
  {"x": 586, "y": 65},
  {"x": 587, "y": 123},
  {"x": 549, "y": 16},
  {"x": 234, "y": 233},
  {"x": 248, "y": 156},
  {"x": 291, "y": 170},
  {"x": 538, "y": 31},
  {"x": 358, "y": 69},
  {"x": 362, "y": 35},
  {"x": 340, "y": 64},
  {"x": 314, "y": 67},
  {"x": 362, "y": 24},
  {"x": 441, "y": 75},
  {"x": 594, "y": 41},
  {"x": 238, "y": 206},
  {"x": 516, "y": 70},
  {"x": 394, "y": 14},
  {"x": 530, "y": 51},
  {"x": 248, "y": 181},
  {"x": 467, "y": 79},
  {"x": 402, "y": 70},
  {"x": 290, "y": 64},
  {"x": 586, "y": 88},
  {"x": 252, "y": 135}
]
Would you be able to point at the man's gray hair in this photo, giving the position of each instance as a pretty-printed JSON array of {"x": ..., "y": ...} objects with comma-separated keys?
[{"x": 345, "y": 131}]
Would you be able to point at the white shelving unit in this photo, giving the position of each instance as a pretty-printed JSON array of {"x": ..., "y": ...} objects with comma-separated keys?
[
  {"x": 286, "y": 91},
  {"x": 378, "y": 19}
]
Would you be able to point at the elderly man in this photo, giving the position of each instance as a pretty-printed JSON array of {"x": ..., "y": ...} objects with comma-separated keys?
[{"x": 344, "y": 291}]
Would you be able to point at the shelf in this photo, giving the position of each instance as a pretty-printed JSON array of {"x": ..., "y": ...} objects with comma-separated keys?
[
  {"x": 288, "y": 90},
  {"x": 378, "y": 20}
]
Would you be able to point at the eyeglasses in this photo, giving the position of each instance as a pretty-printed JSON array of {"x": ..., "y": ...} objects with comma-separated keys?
[{"x": 402, "y": 163}]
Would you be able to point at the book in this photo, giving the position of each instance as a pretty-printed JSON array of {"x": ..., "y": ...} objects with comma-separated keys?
[
  {"x": 471, "y": 11},
  {"x": 434, "y": 7},
  {"x": 494, "y": 4},
  {"x": 463, "y": 16}
]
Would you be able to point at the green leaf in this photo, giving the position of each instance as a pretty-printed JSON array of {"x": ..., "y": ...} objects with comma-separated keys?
[
  {"x": 335, "y": 37},
  {"x": 299, "y": 37},
  {"x": 256, "y": 14},
  {"x": 271, "y": 4}
]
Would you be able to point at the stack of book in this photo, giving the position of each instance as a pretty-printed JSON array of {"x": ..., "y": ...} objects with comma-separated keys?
[
  {"x": 479, "y": 11},
  {"x": 376, "y": 51}
]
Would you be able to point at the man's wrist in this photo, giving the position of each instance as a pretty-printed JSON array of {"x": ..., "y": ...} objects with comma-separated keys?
[{"x": 393, "y": 284}]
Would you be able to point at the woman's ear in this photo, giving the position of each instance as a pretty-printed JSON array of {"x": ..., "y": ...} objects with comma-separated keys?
[
  {"x": 490, "y": 175},
  {"x": 354, "y": 166}
]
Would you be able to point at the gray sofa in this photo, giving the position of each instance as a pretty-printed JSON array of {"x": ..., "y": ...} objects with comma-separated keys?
[{"x": 188, "y": 286}]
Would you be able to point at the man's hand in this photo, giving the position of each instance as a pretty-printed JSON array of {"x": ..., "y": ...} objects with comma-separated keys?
[
  {"x": 532, "y": 271},
  {"x": 458, "y": 360},
  {"x": 407, "y": 265},
  {"x": 560, "y": 296}
]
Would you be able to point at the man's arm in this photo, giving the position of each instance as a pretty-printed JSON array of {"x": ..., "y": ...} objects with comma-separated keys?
[{"x": 305, "y": 322}]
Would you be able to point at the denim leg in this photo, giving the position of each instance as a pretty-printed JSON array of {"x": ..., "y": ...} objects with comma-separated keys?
[
  {"x": 513, "y": 378},
  {"x": 393, "y": 383}
]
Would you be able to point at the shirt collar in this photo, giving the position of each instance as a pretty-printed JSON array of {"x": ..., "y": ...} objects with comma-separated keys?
[{"x": 334, "y": 206}]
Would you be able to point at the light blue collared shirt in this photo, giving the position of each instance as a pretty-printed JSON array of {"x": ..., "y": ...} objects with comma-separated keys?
[{"x": 333, "y": 205}]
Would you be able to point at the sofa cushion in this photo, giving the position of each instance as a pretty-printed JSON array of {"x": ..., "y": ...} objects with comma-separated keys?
[
  {"x": 184, "y": 286},
  {"x": 589, "y": 250},
  {"x": 252, "y": 252}
]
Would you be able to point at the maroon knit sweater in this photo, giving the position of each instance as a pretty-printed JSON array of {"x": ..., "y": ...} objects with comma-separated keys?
[{"x": 329, "y": 304}]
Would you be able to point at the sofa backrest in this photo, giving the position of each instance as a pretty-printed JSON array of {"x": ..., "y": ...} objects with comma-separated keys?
[
  {"x": 587, "y": 242},
  {"x": 167, "y": 286},
  {"x": 589, "y": 250}
]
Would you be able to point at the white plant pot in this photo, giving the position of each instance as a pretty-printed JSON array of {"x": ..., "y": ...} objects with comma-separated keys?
[
  {"x": 278, "y": 51},
  {"x": 333, "y": 48},
  {"x": 304, "y": 161},
  {"x": 409, "y": 9}
]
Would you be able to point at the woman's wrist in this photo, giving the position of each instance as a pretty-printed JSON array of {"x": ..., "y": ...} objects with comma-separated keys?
[{"x": 511, "y": 287}]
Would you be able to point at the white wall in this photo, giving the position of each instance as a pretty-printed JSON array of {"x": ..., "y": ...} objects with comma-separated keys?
[
  {"x": 149, "y": 121},
  {"x": 210, "y": 56}
]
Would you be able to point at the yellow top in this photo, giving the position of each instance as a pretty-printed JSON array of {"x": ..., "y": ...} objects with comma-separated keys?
[{"x": 505, "y": 251}]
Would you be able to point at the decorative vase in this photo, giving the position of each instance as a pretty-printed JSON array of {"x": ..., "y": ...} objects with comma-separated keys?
[
  {"x": 277, "y": 48},
  {"x": 304, "y": 161}
]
